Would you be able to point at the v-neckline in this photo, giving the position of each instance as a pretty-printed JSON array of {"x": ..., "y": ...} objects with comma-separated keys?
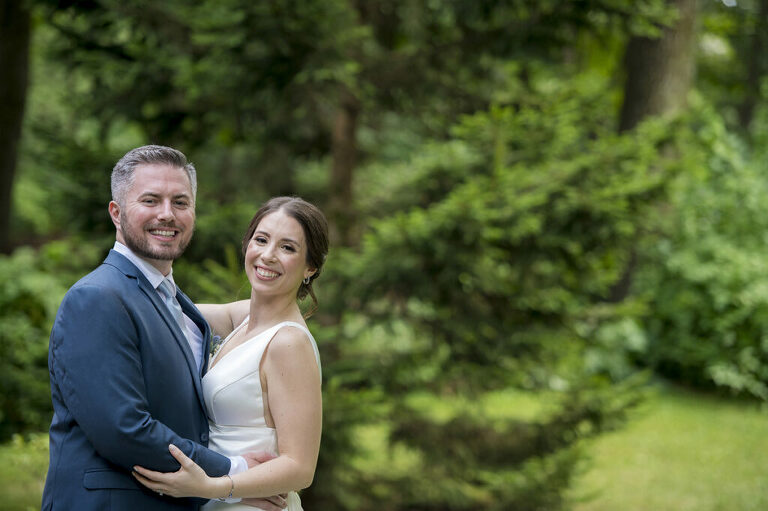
[
  {"x": 216, "y": 360},
  {"x": 217, "y": 357}
]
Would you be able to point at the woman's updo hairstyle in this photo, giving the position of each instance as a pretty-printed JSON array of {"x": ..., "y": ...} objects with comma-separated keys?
[{"x": 315, "y": 228}]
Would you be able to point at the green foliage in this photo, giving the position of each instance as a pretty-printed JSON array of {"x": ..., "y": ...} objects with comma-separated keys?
[
  {"x": 23, "y": 465},
  {"x": 33, "y": 284},
  {"x": 540, "y": 237},
  {"x": 498, "y": 208},
  {"x": 707, "y": 280},
  {"x": 499, "y": 280},
  {"x": 249, "y": 90},
  {"x": 236, "y": 85},
  {"x": 219, "y": 230},
  {"x": 64, "y": 166},
  {"x": 733, "y": 62}
]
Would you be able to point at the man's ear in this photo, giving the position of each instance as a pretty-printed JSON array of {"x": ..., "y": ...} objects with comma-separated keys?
[{"x": 114, "y": 213}]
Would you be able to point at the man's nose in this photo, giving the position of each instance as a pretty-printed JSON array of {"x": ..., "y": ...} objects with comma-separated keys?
[{"x": 165, "y": 212}]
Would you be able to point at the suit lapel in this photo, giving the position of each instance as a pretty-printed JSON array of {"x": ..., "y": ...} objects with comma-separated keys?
[{"x": 122, "y": 263}]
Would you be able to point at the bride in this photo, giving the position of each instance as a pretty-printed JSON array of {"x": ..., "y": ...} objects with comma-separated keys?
[{"x": 262, "y": 388}]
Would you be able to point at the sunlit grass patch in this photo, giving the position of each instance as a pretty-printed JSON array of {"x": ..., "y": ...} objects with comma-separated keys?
[
  {"x": 681, "y": 451},
  {"x": 23, "y": 464}
]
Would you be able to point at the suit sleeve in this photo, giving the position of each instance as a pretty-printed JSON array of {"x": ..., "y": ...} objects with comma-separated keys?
[{"x": 97, "y": 365}]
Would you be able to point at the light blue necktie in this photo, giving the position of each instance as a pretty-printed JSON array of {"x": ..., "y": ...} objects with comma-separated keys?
[{"x": 166, "y": 289}]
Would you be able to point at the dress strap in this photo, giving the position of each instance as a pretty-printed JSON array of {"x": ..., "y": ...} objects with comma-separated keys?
[
  {"x": 241, "y": 325},
  {"x": 304, "y": 329}
]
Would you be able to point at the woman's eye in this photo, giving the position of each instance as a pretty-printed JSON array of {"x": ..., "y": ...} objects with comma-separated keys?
[
  {"x": 260, "y": 239},
  {"x": 289, "y": 248}
]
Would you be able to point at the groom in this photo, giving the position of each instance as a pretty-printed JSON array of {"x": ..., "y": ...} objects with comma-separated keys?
[{"x": 128, "y": 350}]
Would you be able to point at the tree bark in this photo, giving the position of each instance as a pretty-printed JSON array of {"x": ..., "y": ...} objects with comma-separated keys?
[
  {"x": 660, "y": 70},
  {"x": 756, "y": 66},
  {"x": 344, "y": 153},
  {"x": 14, "y": 63},
  {"x": 659, "y": 75}
]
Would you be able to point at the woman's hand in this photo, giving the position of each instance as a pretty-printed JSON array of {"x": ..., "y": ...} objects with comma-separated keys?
[{"x": 189, "y": 481}]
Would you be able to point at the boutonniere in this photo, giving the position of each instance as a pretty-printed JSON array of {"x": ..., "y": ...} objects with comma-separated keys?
[{"x": 215, "y": 344}]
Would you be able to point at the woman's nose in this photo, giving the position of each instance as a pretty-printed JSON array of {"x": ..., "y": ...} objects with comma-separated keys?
[{"x": 269, "y": 252}]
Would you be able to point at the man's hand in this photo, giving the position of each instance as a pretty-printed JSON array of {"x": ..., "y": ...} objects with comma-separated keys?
[
  {"x": 257, "y": 458},
  {"x": 273, "y": 503}
]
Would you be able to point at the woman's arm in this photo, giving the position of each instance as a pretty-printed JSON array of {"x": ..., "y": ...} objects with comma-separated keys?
[
  {"x": 224, "y": 317},
  {"x": 292, "y": 379},
  {"x": 294, "y": 398}
]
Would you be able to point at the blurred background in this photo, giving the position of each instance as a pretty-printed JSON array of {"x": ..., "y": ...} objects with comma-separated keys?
[{"x": 548, "y": 284}]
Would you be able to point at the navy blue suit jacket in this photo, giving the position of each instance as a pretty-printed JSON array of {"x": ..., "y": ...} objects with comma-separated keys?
[{"x": 124, "y": 385}]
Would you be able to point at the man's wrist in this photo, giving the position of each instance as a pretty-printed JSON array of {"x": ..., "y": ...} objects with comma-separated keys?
[{"x": 238, "y": 465}]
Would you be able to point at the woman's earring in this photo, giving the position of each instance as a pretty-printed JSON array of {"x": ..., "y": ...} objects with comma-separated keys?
[{"x": 306, "y": 280}]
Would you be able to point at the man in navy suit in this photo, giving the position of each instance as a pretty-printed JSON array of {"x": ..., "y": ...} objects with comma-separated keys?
[{"x": 127, "y": 352}]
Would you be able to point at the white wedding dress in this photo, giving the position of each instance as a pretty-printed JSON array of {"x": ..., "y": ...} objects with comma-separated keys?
[{"x": 235, "y": 406}]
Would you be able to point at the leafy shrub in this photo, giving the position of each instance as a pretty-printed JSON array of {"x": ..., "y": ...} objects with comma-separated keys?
[
  {"x": 32, "y": 284},
  {"x": 707, "y": 280},
  {"x": 498, "y": 281}
]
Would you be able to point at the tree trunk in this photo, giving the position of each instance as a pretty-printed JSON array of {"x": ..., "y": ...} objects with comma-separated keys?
[
  {"x": 14, "y": 62},
  {"x": 660, "y": 70},
  {"x": 659, "y": 75},
  {"x": 344, "y": 152},
  {"x": 756, "y": 66}
]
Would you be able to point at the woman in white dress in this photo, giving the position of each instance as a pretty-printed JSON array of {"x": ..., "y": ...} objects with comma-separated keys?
[{"x": 262, "y": 388}]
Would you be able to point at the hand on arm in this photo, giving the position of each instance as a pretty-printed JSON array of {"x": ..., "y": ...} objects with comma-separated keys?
[
  {"x": 190, "y": 480},
  {"x": 294, "y": 399}
]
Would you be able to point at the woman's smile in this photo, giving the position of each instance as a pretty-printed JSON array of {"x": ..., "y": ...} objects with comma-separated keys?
[{"x": 265, "y": 273}]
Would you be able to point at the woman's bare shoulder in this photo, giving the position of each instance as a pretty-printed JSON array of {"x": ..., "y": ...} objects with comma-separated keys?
[
  {"x": 224, "y": 317},
  {"x": 291, "y": 342}
]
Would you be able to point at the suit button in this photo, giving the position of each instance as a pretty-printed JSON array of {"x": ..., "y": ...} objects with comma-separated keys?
[{"x": 204, "y": 437}]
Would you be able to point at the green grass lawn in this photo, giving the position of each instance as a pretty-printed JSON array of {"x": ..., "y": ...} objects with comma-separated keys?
[
  {"x": 681, "y": 451},
  {"x": 23, "y": 464}
]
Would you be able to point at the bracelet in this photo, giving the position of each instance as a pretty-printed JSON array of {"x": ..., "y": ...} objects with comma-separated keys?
[{"x": 231, "y": 490}]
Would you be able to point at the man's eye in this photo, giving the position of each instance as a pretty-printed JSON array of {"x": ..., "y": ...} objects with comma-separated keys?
[
  {"x": 149, "y": 201},
  {"x": 182, "y": 204}
]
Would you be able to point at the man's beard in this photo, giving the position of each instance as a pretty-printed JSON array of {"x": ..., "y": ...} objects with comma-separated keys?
[{"x": 141, "y": 247}]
